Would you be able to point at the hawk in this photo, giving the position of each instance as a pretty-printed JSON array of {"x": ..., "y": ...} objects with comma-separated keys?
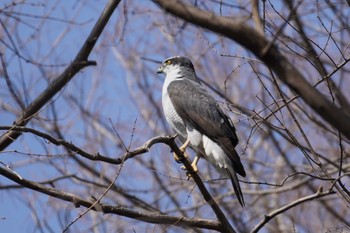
[{"x": 199, "y": 121}]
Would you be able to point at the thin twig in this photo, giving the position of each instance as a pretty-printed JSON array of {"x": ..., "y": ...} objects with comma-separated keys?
[
  {"x": 274, "y": 213},
  {"x": 80, "y": 61},
  {"x": 96, "y": 204},
  {"x": 95, "y": 157},
  {"x": 9, "y": 83},
  {"x": 150, "y": 217}
]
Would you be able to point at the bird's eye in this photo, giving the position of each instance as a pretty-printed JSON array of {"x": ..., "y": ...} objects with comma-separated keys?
[{"x": 168, "y": 62}]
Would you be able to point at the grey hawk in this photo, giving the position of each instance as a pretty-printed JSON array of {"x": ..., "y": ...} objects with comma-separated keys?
[{"x": 199, "y": 121}]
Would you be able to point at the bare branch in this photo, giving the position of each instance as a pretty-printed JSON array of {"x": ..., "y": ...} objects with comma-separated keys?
[
  {"x": 226, "y": 226},
  {"x": 96, "y": 204},
  {"x": 274, "y": 213},
  {"x": 255, "y": 42},
  {"x": 151, "y": 217},
  {"x": 169, "y": 140},
  {"x": 80, "y": 61},
  {"x": 9, "y": 83},
  {"x": 95, "y": 157}
]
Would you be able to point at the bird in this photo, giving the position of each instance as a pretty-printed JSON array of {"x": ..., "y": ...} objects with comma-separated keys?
[{"x": 199, "y": 121}]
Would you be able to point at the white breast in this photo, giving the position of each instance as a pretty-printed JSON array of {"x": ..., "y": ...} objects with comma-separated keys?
[{"x": 171, "y": 115}]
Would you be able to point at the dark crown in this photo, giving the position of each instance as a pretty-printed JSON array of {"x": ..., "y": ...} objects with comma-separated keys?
[{"x": 181, "y": 61}]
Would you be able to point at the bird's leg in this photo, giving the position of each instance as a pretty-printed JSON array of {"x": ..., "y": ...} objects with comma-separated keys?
[
  {"x": 193, "y": 165},
  {"x": 183, "y": 150}
]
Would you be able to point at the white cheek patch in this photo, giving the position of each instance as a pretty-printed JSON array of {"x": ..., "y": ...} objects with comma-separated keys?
[{"x": 172, "y": 70}]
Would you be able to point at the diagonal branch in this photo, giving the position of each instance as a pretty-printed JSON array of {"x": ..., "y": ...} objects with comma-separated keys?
[
  {"x": 80, "y": 61},
  {"x": 226, "y": 226},
  {"x": 9, "y": 83},
  {"x": 223, "y": 226},
  {"x": 151, "y": 217},
  {"x": 95, "y": 157},
  {"x": 274, "y": 213},
  {"x": 256, "y": 43}
]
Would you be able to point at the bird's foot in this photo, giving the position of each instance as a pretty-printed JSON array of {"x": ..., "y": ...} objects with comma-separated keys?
[
  {"x": 182, "y": 150},
  {"x": 176, "y": 157},
  {"x": 194, "y": 167}
]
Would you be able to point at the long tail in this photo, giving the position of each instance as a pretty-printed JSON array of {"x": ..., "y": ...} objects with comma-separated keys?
[{"x": 235, "y": 183}]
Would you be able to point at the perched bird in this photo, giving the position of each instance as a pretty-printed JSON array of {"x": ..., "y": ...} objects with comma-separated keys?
[{"x": 199, "y": 121}]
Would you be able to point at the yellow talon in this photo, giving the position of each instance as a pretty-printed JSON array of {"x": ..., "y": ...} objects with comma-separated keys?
[
  {"x": 183, "y": 150},
  {"x": 193, "y": 165}
]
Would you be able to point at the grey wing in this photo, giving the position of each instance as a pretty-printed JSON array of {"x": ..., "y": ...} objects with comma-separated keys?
[{"x": 197, "y": 106}]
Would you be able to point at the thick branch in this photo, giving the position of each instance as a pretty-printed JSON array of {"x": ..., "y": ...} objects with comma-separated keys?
[
  {"x": 223, "y": 226},
  {"x": 151, "y": 217},
  {"x": 226, "y": 226},
  {"x": 268, "y": 53},
  {"x": 95, "y": 157},
  {"x": 80, "y": 61}
]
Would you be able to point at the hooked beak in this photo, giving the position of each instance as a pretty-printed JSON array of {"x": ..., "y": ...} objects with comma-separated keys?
[{"x": 160, "y": 70}]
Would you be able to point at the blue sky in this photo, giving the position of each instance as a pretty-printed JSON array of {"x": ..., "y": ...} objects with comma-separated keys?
[{"x": 114, "y": 92}]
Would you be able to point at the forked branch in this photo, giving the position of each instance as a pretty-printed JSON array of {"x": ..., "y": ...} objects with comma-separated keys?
[{"x": 79, "y": 62}]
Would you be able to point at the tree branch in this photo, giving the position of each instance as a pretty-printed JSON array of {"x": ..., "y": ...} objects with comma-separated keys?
[
  {"x": 79, "y": 62},
  {"x": 274, "y": 213},
  {"x": 226, "y": 226},
  {"x": 168, "y": 140},
  {"x": 151, "y": 217},
  {"x": 95, "y": 157},
  {"x": 256, "y": 43}
]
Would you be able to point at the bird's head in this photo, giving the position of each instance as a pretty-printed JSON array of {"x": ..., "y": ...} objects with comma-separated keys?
[{"x": 176, "y": 65}]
